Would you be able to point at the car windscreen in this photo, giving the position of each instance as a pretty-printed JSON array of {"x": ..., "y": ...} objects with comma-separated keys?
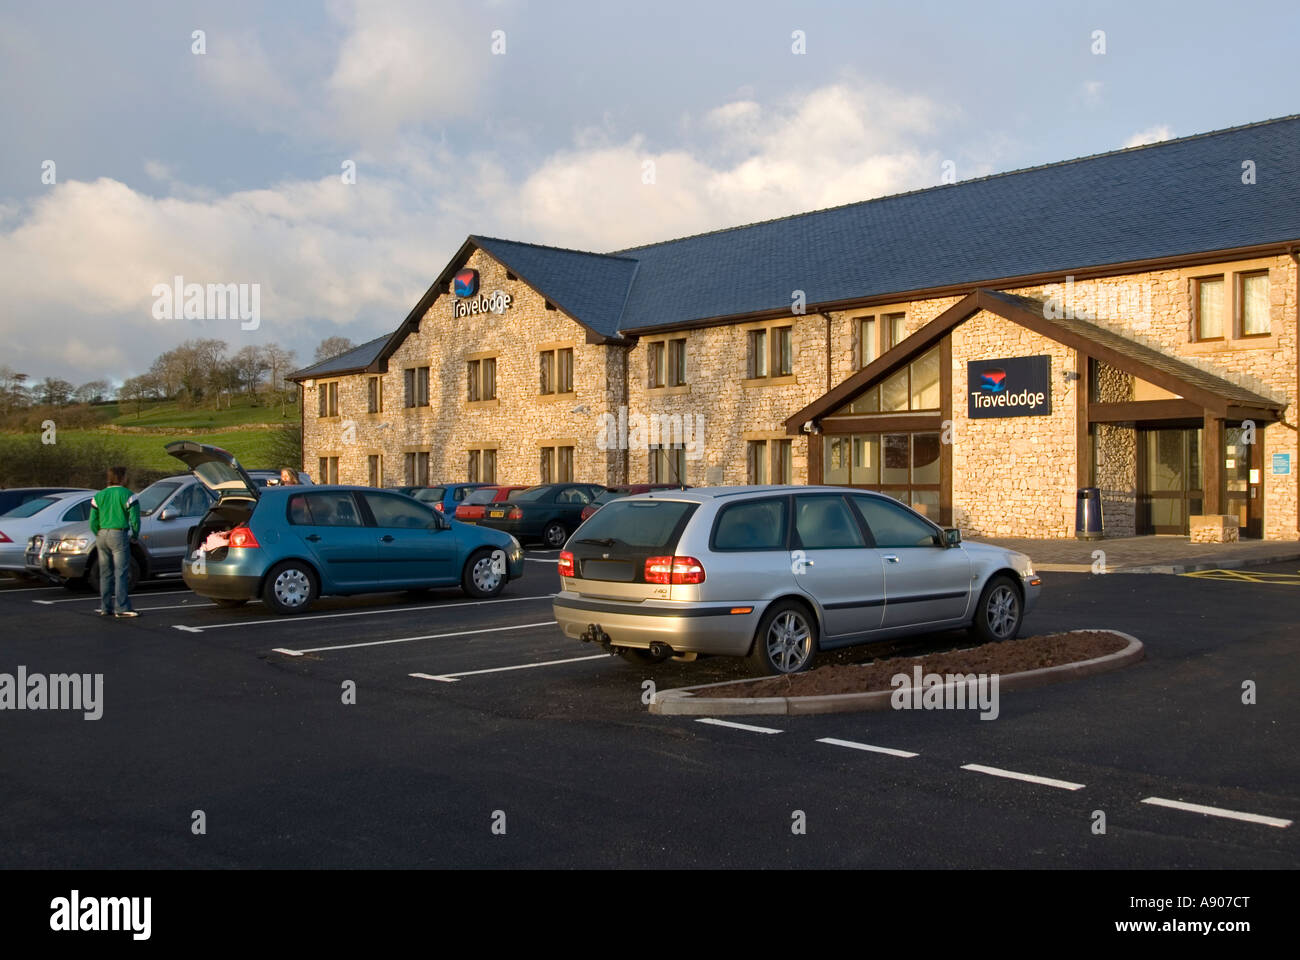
[
  {"x": 532, "y": 493},
  {"x": 31, "y": 507},
  {"x": 152, "y": 496},
  {"x": 484, "y": 495},
  {"x": 639, "y": 524}
]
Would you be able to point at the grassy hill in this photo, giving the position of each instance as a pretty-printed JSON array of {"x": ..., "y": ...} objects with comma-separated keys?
[{"x": 165, "y": 414}]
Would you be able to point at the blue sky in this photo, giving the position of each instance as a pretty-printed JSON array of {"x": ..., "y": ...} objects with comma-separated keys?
[{"x": 225, "y": 167}]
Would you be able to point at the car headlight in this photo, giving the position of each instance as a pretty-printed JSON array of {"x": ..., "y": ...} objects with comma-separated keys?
[
  {"x": 516, "y": 550},
  {"x": 74, "y": 545}
]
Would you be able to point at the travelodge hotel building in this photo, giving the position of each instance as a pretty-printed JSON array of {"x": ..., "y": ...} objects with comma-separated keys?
[{"x": 979, "y": 350}]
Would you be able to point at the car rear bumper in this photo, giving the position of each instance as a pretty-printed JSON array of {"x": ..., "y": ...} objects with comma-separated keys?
[
  {"x": 686, "y": 627},
  {"x": 223, "y": 583},
  {"x": 14, "y": 557}
]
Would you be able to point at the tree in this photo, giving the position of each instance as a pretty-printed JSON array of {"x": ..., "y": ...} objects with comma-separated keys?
[
  {"x": 13, "y": 390},
  {"x": 279, "y": 362},
  {"x": 54, "y": 392},
  {"x": 92, "y": 392},
  {"x": 332, "y": 347},
  {"x": 251, "y": 364}
]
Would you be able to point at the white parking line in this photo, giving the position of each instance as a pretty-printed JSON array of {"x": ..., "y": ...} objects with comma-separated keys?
[
  {"x": 430, "y": 636},
  {"x": 354, "y": 613},
  {"x": 865, "y": 746},
  {"x": 452, "y": 677},
  {"x": 736, "y": 726},
  {"x": 1218, "y": 812},
  {"x": 133, "y": 596},
  {"x": 1027, "y": 777}
]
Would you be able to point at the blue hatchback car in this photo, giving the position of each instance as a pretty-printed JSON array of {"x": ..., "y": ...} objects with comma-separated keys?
[{"x": 289, "y": 545}]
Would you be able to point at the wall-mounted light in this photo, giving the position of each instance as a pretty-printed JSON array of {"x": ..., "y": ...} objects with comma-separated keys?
[{"x": 1069, "y": 375}]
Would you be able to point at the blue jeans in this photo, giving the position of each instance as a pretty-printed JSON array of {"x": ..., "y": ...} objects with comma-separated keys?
[{"x": 114, "y": 551}]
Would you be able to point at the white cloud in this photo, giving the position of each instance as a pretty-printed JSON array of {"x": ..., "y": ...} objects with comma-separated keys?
[
  {"x": 1150, "y": 135},
  {"x": 79, "y": 263}
]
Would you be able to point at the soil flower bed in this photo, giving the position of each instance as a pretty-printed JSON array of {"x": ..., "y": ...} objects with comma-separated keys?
[{"x": 1011, "y": 656}]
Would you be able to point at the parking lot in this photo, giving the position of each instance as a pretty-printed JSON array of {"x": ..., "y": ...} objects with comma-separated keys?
[{"x": 465, "y": 709}]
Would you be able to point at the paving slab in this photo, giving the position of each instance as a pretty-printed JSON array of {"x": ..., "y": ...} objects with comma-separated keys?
[{"x": 1156, "y": 554}]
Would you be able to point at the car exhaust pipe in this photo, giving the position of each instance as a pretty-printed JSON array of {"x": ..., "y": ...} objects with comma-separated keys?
[{"x": 660, "y": 650}]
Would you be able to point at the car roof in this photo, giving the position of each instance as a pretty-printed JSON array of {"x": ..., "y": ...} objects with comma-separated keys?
[{"x": 707, "y": 494}]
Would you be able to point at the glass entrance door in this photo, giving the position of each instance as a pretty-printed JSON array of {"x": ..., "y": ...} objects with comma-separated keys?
[
  {"x": 1169, "y": 479},
  {"x": 1242, "y": 475}
]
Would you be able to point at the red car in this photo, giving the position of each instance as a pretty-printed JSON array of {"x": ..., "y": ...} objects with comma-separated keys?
[
  {"x": 626, "y": 490},
  {"x": 470, "y": 510}
]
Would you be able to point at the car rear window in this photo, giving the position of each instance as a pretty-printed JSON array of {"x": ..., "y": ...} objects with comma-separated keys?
[
  {"x": 481, "y": 496},
  {"x": 533, "y": 493},
  {"x": 749, "y": 525},
  {"x": 430, "y": 494},
  {"x": 31, "y": 507},
  {"x": 641, "y": 524}
]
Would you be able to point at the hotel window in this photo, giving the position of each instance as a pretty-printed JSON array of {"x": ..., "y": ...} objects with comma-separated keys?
[
  {"x": 756, "y": 461},
  {"x": 375, "y": 470},
  {"x": 782, "y": 461},
  {"x": 894, "y": 327},
  {"x": 1209, "y": 308},
  {"x": 416, "y": 382},
  {"x": 556, "y": 464},
  {"x": 329, "y": 398},
  {"x": 656, "y": 356},
  {"x": 677, "y": 362},
  {"x": 557, "y": 371},
  {"x": 1252, "y": 304},
  {"x": 329, "y": 470},
  {"x": 667, "y": 363},
  {"x": 374, "y": 395},
  {"x": 757, "y": 361},
  {"x": 668, "y": 464},
  {"x": 903, "y": 465},
  {"x": 417, "y": 469},
  {"x": 483, "y": 466},
  {"x": 868, "y": 341},
  {"x": 782, "y": 352},
  {"x": 482, "y": 377},
  {"x": 915, "y": 387}
]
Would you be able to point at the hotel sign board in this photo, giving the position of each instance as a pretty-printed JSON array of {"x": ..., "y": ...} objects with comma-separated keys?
[{"x": 1011, "y": 387}]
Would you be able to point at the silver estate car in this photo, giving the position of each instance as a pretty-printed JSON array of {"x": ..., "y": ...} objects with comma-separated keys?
[{"x": 778, "y": 573}]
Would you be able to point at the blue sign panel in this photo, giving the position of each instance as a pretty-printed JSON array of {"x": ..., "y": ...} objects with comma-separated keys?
[{"x": 1014, "y": 387}]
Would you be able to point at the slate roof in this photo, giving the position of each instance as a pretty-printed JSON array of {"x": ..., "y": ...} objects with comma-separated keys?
[{"x": 358, "y": 358}]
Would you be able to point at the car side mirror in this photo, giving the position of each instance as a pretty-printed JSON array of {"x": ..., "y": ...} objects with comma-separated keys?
[
  {"x": 439, "y": 522},
  {"x": 951, "y": 537},
  {"x": 167, "y": 514}
]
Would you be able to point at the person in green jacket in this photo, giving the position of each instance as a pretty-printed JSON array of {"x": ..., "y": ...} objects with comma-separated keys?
[{"x": 114, "y": 523}]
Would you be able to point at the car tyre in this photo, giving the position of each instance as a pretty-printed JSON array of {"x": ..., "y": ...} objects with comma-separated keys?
[
  {"x": 1000, "y": 611},
  {"x": 290, "y": 587},
  {"x": 786, "y": 640},
  {"x": 555, "y": 534},
  {"x": 483, "y": 576}
]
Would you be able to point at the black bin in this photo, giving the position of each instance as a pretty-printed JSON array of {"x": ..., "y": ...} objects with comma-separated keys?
[{"x": 1087, "y": 514}]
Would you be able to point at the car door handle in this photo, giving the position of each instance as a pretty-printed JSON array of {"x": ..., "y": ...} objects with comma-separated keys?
[
  {"x": 890, "y": 558},
  {"x": 313, "y": 538},
  {"x": 386, "y": 538}
]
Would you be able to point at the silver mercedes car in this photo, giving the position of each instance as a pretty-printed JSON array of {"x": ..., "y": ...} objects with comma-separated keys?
[{"x": 778, "y": 573}]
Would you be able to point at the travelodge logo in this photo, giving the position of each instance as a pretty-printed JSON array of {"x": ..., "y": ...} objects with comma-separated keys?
[
  {"x": 465, "y": 283},
  {"x": 1014, "y": 387}
]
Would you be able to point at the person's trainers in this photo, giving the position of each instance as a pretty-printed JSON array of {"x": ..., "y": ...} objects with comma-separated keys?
[
  {"x": 103, "y": 613},
  {"x": 123, "y": 614}
]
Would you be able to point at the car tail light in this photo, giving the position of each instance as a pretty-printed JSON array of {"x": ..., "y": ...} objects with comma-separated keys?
[
  {"x": 3, "y": 538},
  {"x": 674, "y": 570},
  {"x": 566, "y": 564},
  {"x": 515, "y": 513},
  {"x": 243, "y": 537},
  {"x": 438, "y": 506}
]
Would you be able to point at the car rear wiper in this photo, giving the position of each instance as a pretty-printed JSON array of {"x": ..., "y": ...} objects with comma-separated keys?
[{"x": 605, "y": 542}]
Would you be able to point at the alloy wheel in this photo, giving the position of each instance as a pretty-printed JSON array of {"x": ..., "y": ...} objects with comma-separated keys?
[
  {"x": 1002, "y": 612},
  {"x": 292, "y": 588},
  {"x": 789, "y": 642}
]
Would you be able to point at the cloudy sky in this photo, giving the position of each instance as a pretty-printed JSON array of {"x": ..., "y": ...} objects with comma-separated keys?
[{"x": 226, "y": 166}]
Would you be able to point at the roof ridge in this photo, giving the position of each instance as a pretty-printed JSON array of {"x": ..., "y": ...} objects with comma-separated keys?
[
  {"x": 476, "y": 237},
  {"x": 961, "y": 183}
]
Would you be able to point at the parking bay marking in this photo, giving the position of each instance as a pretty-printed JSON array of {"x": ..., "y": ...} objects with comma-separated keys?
[
  {"x": 1217, "y": 812},
  {"x": 736, "y": 726},
  {"x": 866, "y": 746},
  {"x": 454, "y": 677},
  {"x": 1027, "y": 777},
  {"x": 133, "y": 596},
  {"x": 355, "y": 613},
  {"x": 431, "y": 636}
]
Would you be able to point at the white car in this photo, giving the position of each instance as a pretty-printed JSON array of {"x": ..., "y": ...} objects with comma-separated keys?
[{"x": 34, "y": 519}]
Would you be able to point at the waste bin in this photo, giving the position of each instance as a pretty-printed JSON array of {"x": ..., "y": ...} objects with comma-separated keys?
[{"x": 1087, "y": 514}]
